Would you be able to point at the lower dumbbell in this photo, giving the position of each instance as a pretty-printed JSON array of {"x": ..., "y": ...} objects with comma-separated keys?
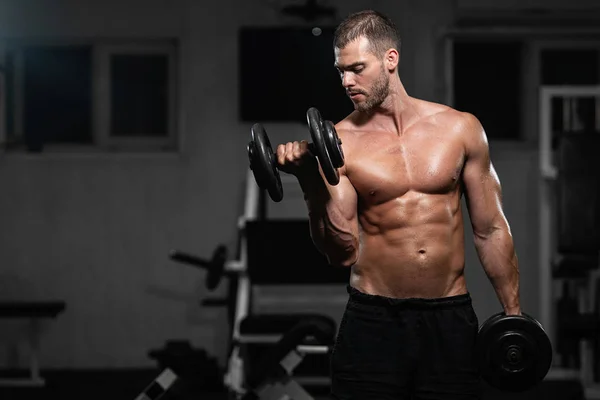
[{"x": 514, "y": 352}]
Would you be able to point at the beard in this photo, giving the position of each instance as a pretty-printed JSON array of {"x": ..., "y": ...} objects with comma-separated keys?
[{"x": 377, "y": 94}]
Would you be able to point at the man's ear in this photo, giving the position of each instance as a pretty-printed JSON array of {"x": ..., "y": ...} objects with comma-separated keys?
[{"x": 392, "y": 59}]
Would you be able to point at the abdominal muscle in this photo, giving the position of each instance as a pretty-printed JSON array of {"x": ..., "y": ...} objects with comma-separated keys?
[{"x": 411, "y": 247}]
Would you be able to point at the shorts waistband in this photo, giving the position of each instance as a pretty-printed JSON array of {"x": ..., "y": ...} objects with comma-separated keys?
[{"x": 411, "y": 302}]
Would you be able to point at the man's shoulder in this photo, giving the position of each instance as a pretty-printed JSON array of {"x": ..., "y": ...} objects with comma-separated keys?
[
  {"x": 347, "y": 126},
  {"x": 447, "y": 116},
  {"x": 462, "y": 124}
]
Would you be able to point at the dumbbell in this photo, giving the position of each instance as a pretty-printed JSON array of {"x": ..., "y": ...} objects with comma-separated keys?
[
  {"x": 326, "y": 146},
  {"x": 215, "y": 266},
  {"x": 514, "y": 352}
]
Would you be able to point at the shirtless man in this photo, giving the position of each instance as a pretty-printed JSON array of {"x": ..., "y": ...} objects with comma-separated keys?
[{"x": 395, "y": 219}]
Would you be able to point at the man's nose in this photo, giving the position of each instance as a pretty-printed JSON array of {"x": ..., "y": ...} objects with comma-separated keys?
[{"x": 348, "y": 80}]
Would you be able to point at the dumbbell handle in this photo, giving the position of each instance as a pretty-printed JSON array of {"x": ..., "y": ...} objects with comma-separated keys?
[
  {"x": 311, "y": 147},
  {"x": 187, "y": 258}
]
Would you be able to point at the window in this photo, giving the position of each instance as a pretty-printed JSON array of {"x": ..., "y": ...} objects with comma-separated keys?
[
  {"x": 572, "y": 67},
  {"x": 139, "y": 90},
  {"x": 90, "y": 96},
  {"x": 569, "y": 66},
  {"x": 487, "y": 83},
  {"x": 308, "y": 79}
]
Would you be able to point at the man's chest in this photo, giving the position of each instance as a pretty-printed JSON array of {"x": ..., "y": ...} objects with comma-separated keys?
[{"x": 385, "y": 168}]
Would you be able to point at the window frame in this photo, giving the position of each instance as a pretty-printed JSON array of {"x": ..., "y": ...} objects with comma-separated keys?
[
  {"x": 448, "y": 72},
  {"x": 102, "y": 50},
  {"x": 535, "y": 40}
]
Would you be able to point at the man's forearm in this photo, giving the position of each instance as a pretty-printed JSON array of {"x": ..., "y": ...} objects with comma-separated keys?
[
  {"x": 330, "y": 231},
  {"x": 499, "y": 260}
]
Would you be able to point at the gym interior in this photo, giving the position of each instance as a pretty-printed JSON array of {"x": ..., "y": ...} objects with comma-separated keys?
[{"x": 140, "y": 260}]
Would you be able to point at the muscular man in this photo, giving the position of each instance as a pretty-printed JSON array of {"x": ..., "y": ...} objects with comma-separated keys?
[{"x": 408, "y": 330}]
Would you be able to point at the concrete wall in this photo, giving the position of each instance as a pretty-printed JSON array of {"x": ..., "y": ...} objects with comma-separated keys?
[{"x": 95, "y": 229}]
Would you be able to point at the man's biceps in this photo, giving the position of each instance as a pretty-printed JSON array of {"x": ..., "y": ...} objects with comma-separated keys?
[
  {"x": 478, "y": 175},
  {"x": 471, "y": 181},
  {"x": 348, "y": 188},
  {"x": 348, "y": 198}
]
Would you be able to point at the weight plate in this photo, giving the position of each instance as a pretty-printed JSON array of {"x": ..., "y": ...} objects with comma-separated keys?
[
  {"x": 317, "y": 132},
  {"x": 514, "y": 352},
  {"x": 263, "y": 163},
  {"x": 334, "y": 145},
  {"x": 216, "y": 268}
]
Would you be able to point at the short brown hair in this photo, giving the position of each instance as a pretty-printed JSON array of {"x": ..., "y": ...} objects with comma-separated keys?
[{"x": 376, "y": 27}]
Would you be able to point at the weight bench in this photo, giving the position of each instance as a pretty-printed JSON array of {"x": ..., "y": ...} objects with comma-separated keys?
[
  {"x": 280, "y": 253},
  {"x": 272, "y": 377},
  {"x": 35, "y": 311}
]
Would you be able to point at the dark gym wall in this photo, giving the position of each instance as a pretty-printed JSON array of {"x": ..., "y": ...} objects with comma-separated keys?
[{"x": 94, "y": 229}]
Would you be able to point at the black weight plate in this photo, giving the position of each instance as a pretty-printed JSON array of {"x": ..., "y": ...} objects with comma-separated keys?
[
  {"x": 216, "y": 268},
  {"x": 534, "y": 345},
  {"x": 263, "y": 163},
  {"x": 259, "y": 175},
  {"x": 514, "y": 352},
  {"x": 334, "y": 145},
  {"x": 317, "y": 132}
]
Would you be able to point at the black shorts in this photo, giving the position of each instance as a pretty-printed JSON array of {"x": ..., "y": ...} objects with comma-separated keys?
[{"x": 406, "y": 349}]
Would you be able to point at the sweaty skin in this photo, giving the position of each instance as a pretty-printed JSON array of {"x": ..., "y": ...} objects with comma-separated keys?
[
  {"x": 395, "y": 217},
  {"x": 408, "y": 190}
]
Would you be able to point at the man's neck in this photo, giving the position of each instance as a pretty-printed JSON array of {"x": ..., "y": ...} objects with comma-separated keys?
[{"x": 396, "y": 112}]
